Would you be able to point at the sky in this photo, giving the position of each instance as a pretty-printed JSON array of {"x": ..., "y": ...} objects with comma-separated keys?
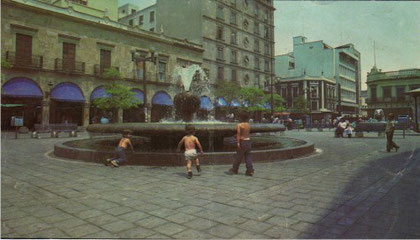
[{"x": 394, "y": 26}]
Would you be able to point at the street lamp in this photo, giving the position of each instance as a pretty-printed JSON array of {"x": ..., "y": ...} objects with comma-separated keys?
[{"x": 137, "y": 57}]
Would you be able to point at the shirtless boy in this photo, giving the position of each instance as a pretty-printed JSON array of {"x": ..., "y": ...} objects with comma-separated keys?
[
  {"x": 243, "y": 145},
  {"x": 121, "y": 150},
  {"x": 190, "y": 142}
]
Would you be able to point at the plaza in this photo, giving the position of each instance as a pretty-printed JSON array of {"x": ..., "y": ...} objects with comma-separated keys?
[{"x": 350, "y": 188}]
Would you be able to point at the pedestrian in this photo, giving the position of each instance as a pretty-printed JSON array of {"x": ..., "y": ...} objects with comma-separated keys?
[
  {"x": 121, "y": 150},
  {"x": 190, "y": 142},
  {"x": 341, "y": 126},
  {"x": 243, "y": 145},
  {"x": 389, "y": 131}
]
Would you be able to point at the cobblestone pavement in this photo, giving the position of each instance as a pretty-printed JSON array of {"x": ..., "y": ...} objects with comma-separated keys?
[{"x": 353, "y": 188}]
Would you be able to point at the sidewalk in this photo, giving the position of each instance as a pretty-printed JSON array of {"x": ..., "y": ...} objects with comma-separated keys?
[{"x": 351, "y": 189}]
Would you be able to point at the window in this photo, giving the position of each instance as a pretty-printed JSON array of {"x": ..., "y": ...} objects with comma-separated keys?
[
  {"x": 257, "y": 62},
  {"x": 246, "y": 79},
  {"x": 266, "y": 16},
  {"x": 233, "y": 75},
  {"x": 220, "y": 12},
  {"x": 233, "y": 17},
  {"x": 400, "y": 93},
  {"x": 133, "y": 11},
  {"x": 23, "y": 48},
  {"x": 373, "y": 93},
  {"x": 123, "y": 11},
  {"x": 314, "y": 105},
  {"x": 257, "y": 80},
  {"x": 105, "y": 60},
  {"x": 130, "y": 22},
  {"x": 266, "y": 65},
  {"x": 69, "y": 56},
  {"x": 266, "y": 32},
  {"x": 162, "y": 71},
  {"x": 291, "y": 65},
  {"x": 256, "y": 45},
  {"x": 387, "y": 92},
  {"x": 152, "y": 16},
  {"x": 256, "y": 10},
  {"x": 233, "y": 37},
  {"x": 152, "y": 29},
  {"x": 295, "y": 91},
  {"x": 141, "y": 20},
  {"x": 284, "y": 92},
  {"x": 246, "y": 3},
  {"x": 314, "y": 91},
  {"x": 256, "y": 28},
  {"x": 219, "y": 35},
  {"x": 220, "y": 73},
  {"x": 266, "y": 49},
  {"x": 234, "y": 57},
  {"x": 220, "y": 53}
]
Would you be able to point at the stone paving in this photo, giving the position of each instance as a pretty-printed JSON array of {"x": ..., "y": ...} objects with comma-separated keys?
[{"x": 352, "y": 188}]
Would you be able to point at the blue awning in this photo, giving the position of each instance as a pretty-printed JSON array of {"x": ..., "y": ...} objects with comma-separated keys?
[
  {"x": 220, "y": 102},
  {"x": 267, "y": 106},
  {"x": 234, "y": 103},
  {"x": 21, "y": 87},
  {"x": 97, "y": 93},
  {"x": 139, "y": 94},
  {"x": 206, "y": 103},
  {"x": 67, "y": 92},
  {"x": 162, "y": 98},
  {"x": 246, "y": 104}
]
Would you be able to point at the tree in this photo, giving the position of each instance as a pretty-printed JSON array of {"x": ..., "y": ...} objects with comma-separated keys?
[
  {"x": 5, "y": 64},
  {"x": 300, "y": 105},
  {"x": 111, "y": 73},
  {"x": 254, "y": 97},
  {"x": 120, "y": 97},
  {"x": 278, "y": 102},
  {"x": 229, "y": 91}
]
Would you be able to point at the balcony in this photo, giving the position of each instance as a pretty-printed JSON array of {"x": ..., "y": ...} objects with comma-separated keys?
[
  {"x": 402, "y": 74},
  {"x": 388, "y": 100},
  {"x": 25, "y": 62},
  {"x": 69, "y": 66},
  {"x": 98, "y": 70}
]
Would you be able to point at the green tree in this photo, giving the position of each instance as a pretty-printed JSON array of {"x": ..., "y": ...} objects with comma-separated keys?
[
  {"x": 229, "y": 91},
  {"x": 112, "y": 73},
  {"x": 278, "y": 102},
  {"x": 254, "y": 97},
  {"x": 5, "y": 64},
  {"x": 300, "y": 105},
  {"x": 120, "y": 97}
]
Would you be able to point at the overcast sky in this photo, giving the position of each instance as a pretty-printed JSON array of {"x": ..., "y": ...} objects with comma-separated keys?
[{"x": 394, "y": 26}]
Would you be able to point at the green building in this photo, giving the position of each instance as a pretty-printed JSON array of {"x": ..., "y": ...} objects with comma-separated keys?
[{"x": 387, "y": 91}]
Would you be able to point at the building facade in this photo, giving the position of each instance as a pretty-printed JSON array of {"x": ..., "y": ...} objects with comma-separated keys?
[
  {"x": 143, "y": 18},
  {"x": 237, "y": 36},
  {"x": 328, "y": 78},
  {"x": 54, "y": 59},
  {"x": 387, "y": 90}
]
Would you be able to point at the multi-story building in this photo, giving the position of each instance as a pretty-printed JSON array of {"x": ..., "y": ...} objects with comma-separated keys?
[
  {"x": 328, "y": 78},
  {"x": 237, "y": 36},
  {"x": 144, "y": 18},
  {"x": 127, "y": 9},
  {"x": 54, "y": 59},
  {"x": 387, "y": 90}
]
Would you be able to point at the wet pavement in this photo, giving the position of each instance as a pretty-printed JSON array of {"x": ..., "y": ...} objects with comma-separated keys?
[{"x": 351, "y": 188}]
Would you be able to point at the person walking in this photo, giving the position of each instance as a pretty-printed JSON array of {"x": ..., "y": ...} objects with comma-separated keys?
[
  {"x": 389, "y": 131},
  {"x": 243, "y": 143}
]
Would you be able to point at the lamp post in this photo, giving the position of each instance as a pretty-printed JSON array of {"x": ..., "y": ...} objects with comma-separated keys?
[{"x": 137, "y": 57}]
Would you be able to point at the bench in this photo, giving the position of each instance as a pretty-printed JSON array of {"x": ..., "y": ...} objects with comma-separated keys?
[
  {"x": 54, "y": 129},
  {"x": 377, "y": 127}
]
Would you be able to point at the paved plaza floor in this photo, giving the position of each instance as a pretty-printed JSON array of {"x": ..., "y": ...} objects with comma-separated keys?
[{"x": 352, "y": 188}]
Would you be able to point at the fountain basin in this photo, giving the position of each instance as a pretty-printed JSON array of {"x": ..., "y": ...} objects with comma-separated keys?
[{"x": 265, "y": 151}]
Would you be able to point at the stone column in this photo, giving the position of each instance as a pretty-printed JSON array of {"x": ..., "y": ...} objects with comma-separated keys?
[
  {"x": 45, "y": 112},
  {"x": 322, "y": 94},
  {"x": 148, "y": 113},
  {"x": 86, "y": 114}
]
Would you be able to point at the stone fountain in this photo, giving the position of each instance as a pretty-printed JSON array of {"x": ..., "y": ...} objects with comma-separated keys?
[{"x": 162, "y": 138}]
